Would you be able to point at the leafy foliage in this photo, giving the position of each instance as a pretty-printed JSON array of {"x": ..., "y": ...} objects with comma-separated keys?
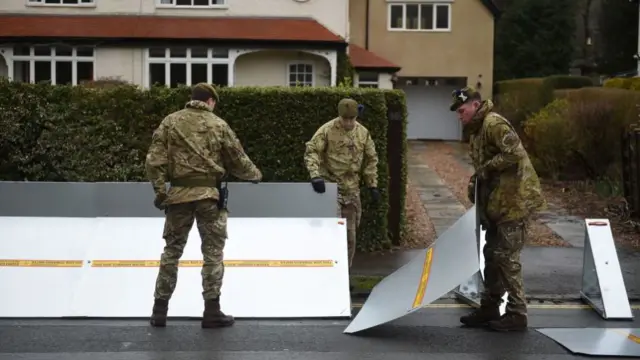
[
  {"x": 93, "y": 134},
  {"x": 532, "y": 38}
]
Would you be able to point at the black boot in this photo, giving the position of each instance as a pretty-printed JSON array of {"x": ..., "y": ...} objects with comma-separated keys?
[
  {"x": 213, "y": 317},
  {"x": 510, "y": 322},
  {"x": 159, "y": 313},
  {"x": 481, "y": 317}
]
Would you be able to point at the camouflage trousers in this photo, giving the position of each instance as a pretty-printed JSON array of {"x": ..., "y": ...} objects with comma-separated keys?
[
  {"x": 212, "y": 227},
  {"x": 352, "y": 211},
  {"x": 503, "y": 270}
]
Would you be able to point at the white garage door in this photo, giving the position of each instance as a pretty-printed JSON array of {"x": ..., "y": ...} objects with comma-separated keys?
[{"x": 429, "y": 117}]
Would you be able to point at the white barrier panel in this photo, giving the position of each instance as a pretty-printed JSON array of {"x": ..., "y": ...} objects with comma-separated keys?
[
  {"x": 41, "y": 264},
  {"x": 597, "y": 341},
  {"x": 426, "y": 278},
  {"x": 471, "y": 290},
  {"x": 602, "y": 283},
  {"x": 274, "y": 267}
]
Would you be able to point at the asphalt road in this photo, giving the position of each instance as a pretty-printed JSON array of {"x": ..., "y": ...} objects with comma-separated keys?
[{"x": 431, "y": 333}]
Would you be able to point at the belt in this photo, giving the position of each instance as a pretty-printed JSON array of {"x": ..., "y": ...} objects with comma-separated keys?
[{"x": 193, "y": 182}]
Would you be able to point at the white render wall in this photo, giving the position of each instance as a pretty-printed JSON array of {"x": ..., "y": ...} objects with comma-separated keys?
[{"x": 333, "y": 14}]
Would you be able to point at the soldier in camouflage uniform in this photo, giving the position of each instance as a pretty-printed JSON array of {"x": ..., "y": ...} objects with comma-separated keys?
[
  {"x": 337, "y": 152},
  {"x": 193, "y": 149},
  {"x": 509, "y": 193}
]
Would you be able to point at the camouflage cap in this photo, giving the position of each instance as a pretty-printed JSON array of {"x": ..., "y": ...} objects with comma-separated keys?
[
  {"x": 209, "y": 88},
  {"x": 462, "y": 96},
  {"x": 348, "y": 108}
]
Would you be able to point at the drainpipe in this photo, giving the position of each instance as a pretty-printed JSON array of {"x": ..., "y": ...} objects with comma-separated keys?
[
  {"x": 638, "y": 54},
  {"x": 366, "y": 26}
]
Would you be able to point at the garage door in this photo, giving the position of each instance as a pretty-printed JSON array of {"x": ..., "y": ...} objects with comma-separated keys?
[{"x": 429, "y": 117}]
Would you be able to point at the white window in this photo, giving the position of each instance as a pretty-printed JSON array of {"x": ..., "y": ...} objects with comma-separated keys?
[
  {"x": 63, "y": 2},
  {"x": 192, "y": 3},
  {"x": 301, "y": 74},
  {"x": 420, "y": 17},
  {"x": 187, "y": 66},
  {"x": 367, "y": 79},
  {"x": 60, "y": 65}
]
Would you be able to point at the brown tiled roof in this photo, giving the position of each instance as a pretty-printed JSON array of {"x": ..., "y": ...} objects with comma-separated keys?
[
  {"x": 362, "y": 58},
  {"x": 164, "y": 27}
]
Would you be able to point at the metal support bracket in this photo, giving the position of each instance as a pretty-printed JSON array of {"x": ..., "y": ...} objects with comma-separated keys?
[
  {"x": 470, "y": 292},
  {"x": 603, "y": 286}
]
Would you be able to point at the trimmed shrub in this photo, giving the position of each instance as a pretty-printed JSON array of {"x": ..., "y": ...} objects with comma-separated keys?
[
  {"x": 594, "y": 119},
  {"x": 558, "y": 82},
  {"x": 519, "y": 99},
  {"x": 397, "y": 160},
  {"x": 550, "y": 139},
  {"x": 65, "y": 133},
  {"x": 623, "y": 83}
]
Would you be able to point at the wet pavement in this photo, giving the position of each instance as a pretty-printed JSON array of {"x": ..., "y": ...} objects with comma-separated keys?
[
  {"x": 549, "y": 272},
  {"x": 431, "y": 333}
]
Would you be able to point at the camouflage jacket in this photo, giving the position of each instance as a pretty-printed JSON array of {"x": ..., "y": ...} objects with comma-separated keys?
[
  {"x": 509, "y": 188},
  {"x": 338, "y": 155},
  {"x": 193, "y": 143}
]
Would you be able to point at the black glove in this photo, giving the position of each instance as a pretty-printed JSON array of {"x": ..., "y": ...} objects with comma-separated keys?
[
  {"x": 318, "y": 185},
  {"x": 375, "y": 194},
  {"x": 158, "y": 201},
  {"x": 471, "y": 189}
]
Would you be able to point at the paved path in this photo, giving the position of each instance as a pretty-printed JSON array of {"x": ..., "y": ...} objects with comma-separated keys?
[
  {"x": 427, "y": 334},
  {"x": 569, "y": 228},
  {"x": 441, "y": 204},
  {"x": 549, "y": 272}
]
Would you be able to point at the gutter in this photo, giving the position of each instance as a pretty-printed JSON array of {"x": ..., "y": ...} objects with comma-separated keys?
[{"x": 366, "y": 26}]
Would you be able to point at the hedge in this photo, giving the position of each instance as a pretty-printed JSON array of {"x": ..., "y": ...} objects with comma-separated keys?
[
  {"x": 577, "y": 136},
  {"x": 65, "y": 133},
  {"x": 397, "y": 159},
  {"x": 623, "y": 83},
  {"x": 518, "y": 99}
]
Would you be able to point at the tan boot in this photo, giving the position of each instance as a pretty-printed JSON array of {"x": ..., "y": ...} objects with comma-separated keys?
[
  {"x": 213, "y": 317},
  {"x": 481, "y": 317},
  {"x": 159, "y": 313},
  {"x": 510, "y": 322}
]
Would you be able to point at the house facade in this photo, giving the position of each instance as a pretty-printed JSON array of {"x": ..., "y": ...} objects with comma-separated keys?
[
  {"x": 171, "y": 42},
  {"x": 439, "y": 45}
]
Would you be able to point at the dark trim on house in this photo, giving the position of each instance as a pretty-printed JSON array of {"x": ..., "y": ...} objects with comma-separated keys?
[
  {"x": 271, "y": 44},
  {"x": 495, "y": 11},
  {"x": 366, "y": 26},
  {"x": 389, "y": 70}
]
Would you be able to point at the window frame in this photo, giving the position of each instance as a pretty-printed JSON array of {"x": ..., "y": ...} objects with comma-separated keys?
[
  {"x": 42, "y": 3},
  {"x": 160, "y": 5},
  {"x": 52, "y": 59},
  {"x": 435, "y": 5},
  {"x": 167, "y": 60},
  {"x": 313, "y": 72},
  {"x": 369, "y": 83}
]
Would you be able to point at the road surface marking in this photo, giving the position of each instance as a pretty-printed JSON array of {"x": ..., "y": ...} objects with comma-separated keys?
[
  {"x": 539, "y": 306},
  {"x": 424, "y": 279}
]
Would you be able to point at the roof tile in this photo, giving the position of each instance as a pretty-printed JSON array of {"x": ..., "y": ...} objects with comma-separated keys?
[
  {"x": 164, "y": 27},
  {"x": 363, "y": 58}
]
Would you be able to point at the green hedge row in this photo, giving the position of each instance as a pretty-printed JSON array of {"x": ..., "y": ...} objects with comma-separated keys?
[
  {"x": 518, "y": 99},
  {"x": 623, "y": 83},
  {"x": 577, "y": 135},
  {"x": 65, "y": 133}
]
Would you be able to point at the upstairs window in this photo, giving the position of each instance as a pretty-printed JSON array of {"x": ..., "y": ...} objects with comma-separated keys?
[
  {"x": 430, "y": 16},
  {"x": 191, "y": 3},
  {"x": 63, "y": 2}
]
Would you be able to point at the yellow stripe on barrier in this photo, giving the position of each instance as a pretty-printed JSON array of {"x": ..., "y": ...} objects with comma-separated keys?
[
  {"x": 424, "y": 279},
  {"x": 227, "y": 263},
  {"x": 40, "y": 263}
]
